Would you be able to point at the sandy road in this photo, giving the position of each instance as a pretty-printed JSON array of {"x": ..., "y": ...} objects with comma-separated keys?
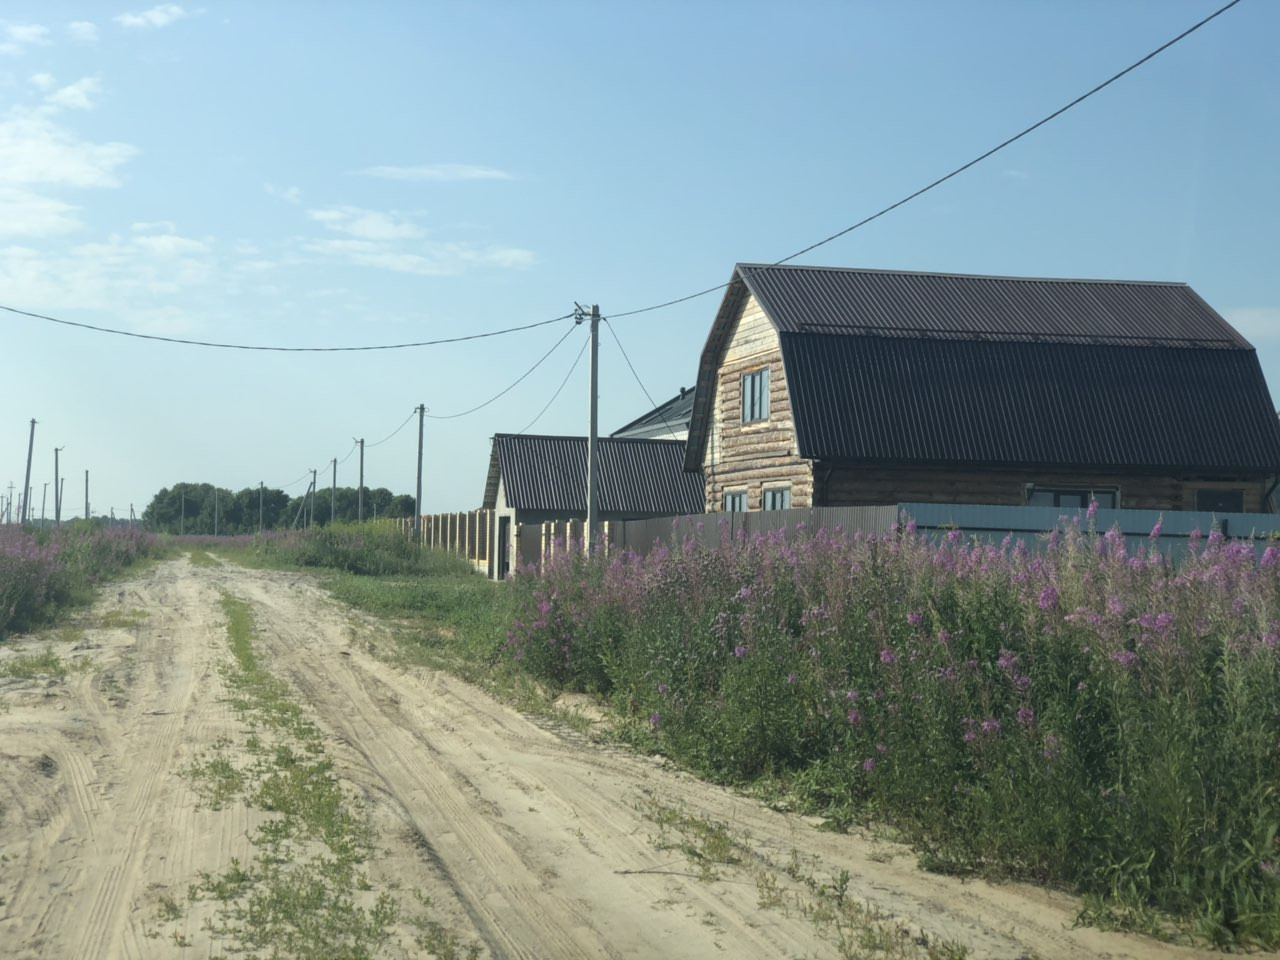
[{"x": 528, "y": 840}]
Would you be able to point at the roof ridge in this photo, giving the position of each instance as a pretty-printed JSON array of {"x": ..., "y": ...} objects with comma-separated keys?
[{"x": 753, "y": 267}]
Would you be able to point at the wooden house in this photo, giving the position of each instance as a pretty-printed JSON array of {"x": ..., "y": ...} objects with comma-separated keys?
[
  {"x": 840, "y": 387},
  {"x": 534, "y": 479}
]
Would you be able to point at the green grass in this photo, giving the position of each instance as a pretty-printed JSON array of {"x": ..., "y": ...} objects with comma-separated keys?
[
  {"x": 47, "y": 664},
  {"x": 305, "y": 893}
]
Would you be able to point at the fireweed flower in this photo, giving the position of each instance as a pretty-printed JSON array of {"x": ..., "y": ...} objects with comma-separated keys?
[
  {"x": 655, "y": 720},
  {"x": 1026, "y": 716},
  {"x": 1092, "y": 512},
  {"x": 868, "y": 764},
  {"x": 739, "y": 651},
  {"x": 991, "y": 726},
  {"x": 915, "y": 619},
  {"x": 1126, "y": 658},
  {"x": 887, "y": 656},
  {"x": 855, "y": 718},
  {"x": 1048, "y": 599},
  {"x": 1007, "y": 661}
]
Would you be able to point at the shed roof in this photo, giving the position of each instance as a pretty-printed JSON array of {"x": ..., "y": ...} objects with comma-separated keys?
[
  {"x": 941, "y": 369},
  {"x": 637, "y": 476},
  {"x": 670, "y": 417}
]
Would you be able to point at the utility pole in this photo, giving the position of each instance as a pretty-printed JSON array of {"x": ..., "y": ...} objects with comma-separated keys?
[
  {"x": 311, "y": 517},
  {"x": 215, "y": 511},
  {"x": 9, "y": 505},
  {"x": 87, "y": 516},
  {"x": 360, "y": 489},
  {"x": 333, "y": 491},
  {"x": 57, "y": 489},
  {"x": 593, "y": 466},
  {"x": 26, "y": 484},
  {"x": 259, "y": 506},
  {"x": 182, "y": 517},
  {"x": 417, "y": 509},
  {"x": 43, "y": 497}
]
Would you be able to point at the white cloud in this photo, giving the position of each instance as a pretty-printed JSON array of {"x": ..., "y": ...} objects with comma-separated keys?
[
  {"x": 287, "y": 194},
  {"x": 16, "y": 37},
  {"x": 160, "y": 16},
  {"x": 34, "y": 149},
  {"x": 76, "y": 96},
  {"x": 366, "y": 224},
  {"x": 168, "y": 245},
  {"x": 82, "y": 31},
  {"x": 27, "y": 214},
  {"x": 437, "y": 172},
  {"x": 43, "y": 81},
  {"x": 429, "y": 259},
  {"x": 1257, "y": 324}
]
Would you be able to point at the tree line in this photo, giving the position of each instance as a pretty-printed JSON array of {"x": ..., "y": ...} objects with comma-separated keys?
[{"x": 200, "y": 507}]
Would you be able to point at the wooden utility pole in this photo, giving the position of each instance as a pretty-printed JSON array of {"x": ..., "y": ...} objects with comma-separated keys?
[
  {"x": 259, "y": 506},
  {"x": 593, "y": 466},
  {"x": 182, "y": 516},
  {"x": 333, "y": 492},
  {"x": 215, "y": 511},
  {"x": 86, "y": 496},
  {"x": 43, "y": 497},
  {"x": 417, "y": 509},
  {"x": 311, "y": 517},
  {"x": 360, "y": 488},
  {"x": 57, "y": 489},
  {"x": 26, "y": 484}
]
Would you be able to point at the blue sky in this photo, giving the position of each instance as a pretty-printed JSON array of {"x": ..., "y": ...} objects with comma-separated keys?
[{"x": 325, "y": 174}]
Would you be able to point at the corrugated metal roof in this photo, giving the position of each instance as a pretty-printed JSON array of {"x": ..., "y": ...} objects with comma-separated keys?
[
  {"x": 663, "y": 420},
  {"x": 911, "y": 400},
  {"x": 637, "y": 476},
  {"x": 858, "y": 302}
]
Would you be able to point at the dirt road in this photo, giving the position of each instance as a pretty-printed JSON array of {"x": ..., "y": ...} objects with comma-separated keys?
[{"x": 530, "y": 841}]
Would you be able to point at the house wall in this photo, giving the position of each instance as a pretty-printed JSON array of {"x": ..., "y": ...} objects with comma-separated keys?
[
  {"x": 753, "y": 456},
  {"x": 846, "y": 486}
]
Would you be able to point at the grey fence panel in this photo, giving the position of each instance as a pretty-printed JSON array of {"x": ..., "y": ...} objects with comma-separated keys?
[{"x": 529, "y": 545}]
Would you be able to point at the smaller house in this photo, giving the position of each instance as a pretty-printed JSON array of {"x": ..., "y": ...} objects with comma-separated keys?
[
  {"x": 668, "y": 421},
  {"x": 535, "y": 479}
]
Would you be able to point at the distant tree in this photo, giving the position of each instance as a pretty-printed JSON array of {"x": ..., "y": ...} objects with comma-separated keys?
[{"x": 238, "y": 512}]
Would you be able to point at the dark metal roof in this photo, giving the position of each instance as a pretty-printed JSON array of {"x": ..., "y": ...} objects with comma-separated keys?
[
  {"x": 670, "y": 417},
  {"x": 907, "y": 400},
  {"x": 955, "y": 306},
  {"x": 637, "y": 476}
]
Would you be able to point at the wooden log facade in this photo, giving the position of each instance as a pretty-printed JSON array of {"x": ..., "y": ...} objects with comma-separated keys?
[{"x": 751, "y": 458}]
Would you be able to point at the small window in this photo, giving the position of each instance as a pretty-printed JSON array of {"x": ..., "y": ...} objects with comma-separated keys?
[
  {"x": 1070, "y": 498},
  {"x": 778, "y": 498},
  {"x": 1220, "y": 501},
  {"x": 755, "y": 396},
  {"x": 735, "y": 502}
]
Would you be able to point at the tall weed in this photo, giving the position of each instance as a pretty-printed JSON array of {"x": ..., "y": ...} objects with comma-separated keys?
[{"x": 1075, "y": 714}]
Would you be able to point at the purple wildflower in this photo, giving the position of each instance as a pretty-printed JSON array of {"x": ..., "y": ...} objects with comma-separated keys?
[
  {"x": 915, "y": 619},
  {"x": 1126, "y": 658},
  {"x": 655, "y": 720},
  {"x": 1026, "y": 716},
  {"x": 868, "y": 764},
  {"x": 855, "y": 717},
  {"x": 663, "y": 689},
  {"x": 792, "y": 678},
  {"x": 739, "y": 651},
  {"x": 991, "y": 726},
  {"x": 1048, "y": 599},
  {"x": 887, "y": 656}
]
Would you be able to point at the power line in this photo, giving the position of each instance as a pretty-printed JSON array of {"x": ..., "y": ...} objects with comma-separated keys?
[
  {"x": 509, "y": 387},
  {"x": 632, "y": 368},
  {"x": 245, "y": 346},
  {"x": 393, "y": 432},
  {"x": 576, "y": 360},
  {"x": 349, "y": 453},
  {"x": 957, "y": 171}
]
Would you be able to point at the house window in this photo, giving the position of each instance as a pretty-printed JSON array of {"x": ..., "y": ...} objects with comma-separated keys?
[
  {"x": 1220, "y": 501},
  {"x": 735, "y": 502},
  {"x": 755, "y": 396},
  {"x": 777, "y": 498},
  {"x": 1070, "y": 497}
]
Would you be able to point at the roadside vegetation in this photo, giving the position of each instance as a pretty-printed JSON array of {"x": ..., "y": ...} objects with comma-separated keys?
[
  {"x": 43, "y": 572},
  {"x": 1076, "y": 715}
]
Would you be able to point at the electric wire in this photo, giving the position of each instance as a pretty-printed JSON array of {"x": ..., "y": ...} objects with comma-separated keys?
[
  {"x": 631, "y": 367},
  {"x": 349, "y": 453},
  {"x": 956, "y": 172},
  {"x": 368, "y": 446},
  {"x": 586, "y": 343},
  {"x": 509, "y": 387},
  {"x": 246, "y": 346}
]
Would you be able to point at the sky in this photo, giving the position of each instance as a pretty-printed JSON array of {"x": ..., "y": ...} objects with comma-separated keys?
[{"x": 322, "y": 174}]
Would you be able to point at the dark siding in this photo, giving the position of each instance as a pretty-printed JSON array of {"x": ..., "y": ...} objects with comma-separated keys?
[
  {"x": 1001, "y": 403},
  {"x": 637, "y": 477},
  {"x": 950, "y": 306}
]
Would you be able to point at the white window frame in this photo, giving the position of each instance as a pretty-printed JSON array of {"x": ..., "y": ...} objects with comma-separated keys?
[
  {"x": 770, "y": 495},
  {"x": 735, "y": 501}
]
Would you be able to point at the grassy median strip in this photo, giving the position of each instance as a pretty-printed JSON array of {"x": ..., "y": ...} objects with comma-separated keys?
[{"x": 305, "y": 892}]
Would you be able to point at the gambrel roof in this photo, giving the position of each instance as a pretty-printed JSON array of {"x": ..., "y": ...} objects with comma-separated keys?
[
  {"x": 939, "y": 369},
  {"x": 637, "y": 477}
]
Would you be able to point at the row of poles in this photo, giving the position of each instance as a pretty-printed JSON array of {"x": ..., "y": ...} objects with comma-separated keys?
[
  {"x": 581, "y": 314},
  {"x": 25, "y": 495}
]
